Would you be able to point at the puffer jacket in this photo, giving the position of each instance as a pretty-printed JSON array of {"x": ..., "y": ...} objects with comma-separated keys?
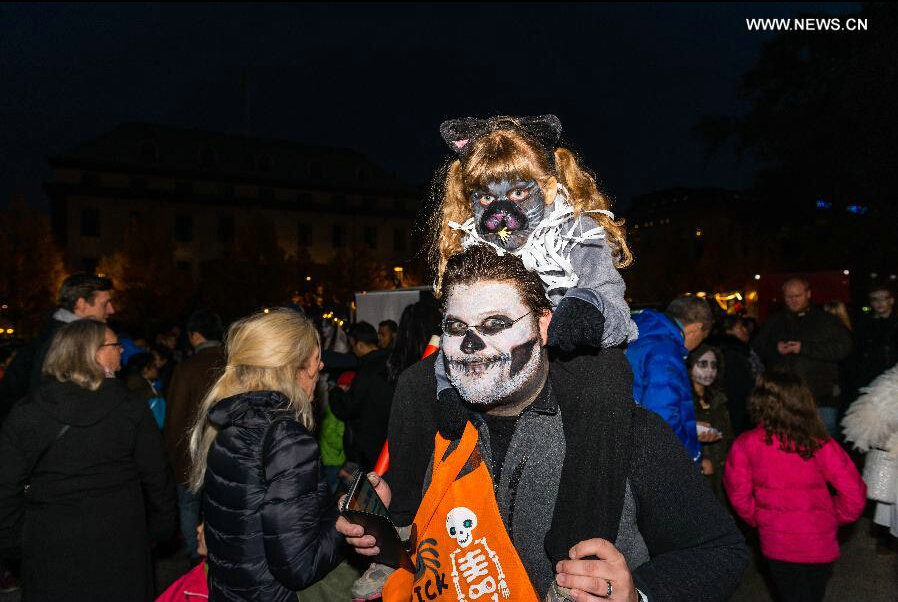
[
  {"x": 660, "y": 380},
  {"x": 269, "y": 514},
  {"x": 787, "y": 498}
]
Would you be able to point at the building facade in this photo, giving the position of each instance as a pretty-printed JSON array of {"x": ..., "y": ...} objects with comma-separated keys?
[{"x": 204, "y": 190}]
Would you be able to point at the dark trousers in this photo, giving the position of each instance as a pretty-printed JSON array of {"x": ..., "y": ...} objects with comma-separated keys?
[{"x": 799, "y": 582}]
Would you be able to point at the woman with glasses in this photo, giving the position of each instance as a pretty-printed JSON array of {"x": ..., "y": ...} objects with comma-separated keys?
[{"x": 84, "y": 483}]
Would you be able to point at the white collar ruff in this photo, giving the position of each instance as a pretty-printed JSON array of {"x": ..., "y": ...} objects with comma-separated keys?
[{"x": 548, "y": 248}]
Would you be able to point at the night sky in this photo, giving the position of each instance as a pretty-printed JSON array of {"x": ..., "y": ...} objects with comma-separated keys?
[{"x": 629, "y": 82}]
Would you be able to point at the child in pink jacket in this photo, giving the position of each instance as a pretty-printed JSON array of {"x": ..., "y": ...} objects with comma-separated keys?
[{"x": 777, "y": 478}]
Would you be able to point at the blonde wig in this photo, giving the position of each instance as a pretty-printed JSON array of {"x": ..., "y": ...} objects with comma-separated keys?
[
  {"x": 509, "y": 154},
  {"x": 264, "y": 351},
  {"x": 73, "y": 354}
]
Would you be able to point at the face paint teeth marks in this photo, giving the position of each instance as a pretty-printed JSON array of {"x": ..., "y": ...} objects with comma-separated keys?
[{"x": 478, "y": 366}]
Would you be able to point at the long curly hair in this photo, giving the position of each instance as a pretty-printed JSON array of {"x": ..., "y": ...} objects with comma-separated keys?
[
  {"x": 784, "y": 406},
  {"x": 506, "y": 154}
]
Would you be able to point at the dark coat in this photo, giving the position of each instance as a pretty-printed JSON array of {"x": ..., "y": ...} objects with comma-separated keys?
[
  {"x": 738, "y": 379},
  {"x": 24, "y": 372},
  {"x": 824, "y": 343},
  {"x": 98, "y": 496},
  {"x": 270, "y": 518},
  {"x": 875, "y": 349},
  {"x": 190, "y": 382},
  {"x": 696, "y": 551},
  {"x": 365, "y": 408}
]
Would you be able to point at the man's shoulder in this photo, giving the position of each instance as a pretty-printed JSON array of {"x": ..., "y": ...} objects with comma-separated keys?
[{"x": 418, "y": 375}]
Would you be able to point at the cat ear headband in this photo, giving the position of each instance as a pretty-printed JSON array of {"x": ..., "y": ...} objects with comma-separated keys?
[{"x": 459, "y": 133}]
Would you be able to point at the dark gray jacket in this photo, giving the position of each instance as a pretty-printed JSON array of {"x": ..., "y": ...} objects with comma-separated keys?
[
  {"x": 555, "y": 483},
  {"x": 824, "y": 343}
]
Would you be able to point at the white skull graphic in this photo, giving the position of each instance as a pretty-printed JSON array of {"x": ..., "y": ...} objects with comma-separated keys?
[{"x": 460, "y": 522}]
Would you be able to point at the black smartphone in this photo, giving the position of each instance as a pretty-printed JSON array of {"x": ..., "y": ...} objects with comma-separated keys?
[{"x": 362, "y": 506}]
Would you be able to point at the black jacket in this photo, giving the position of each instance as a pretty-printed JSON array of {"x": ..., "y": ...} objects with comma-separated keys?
[
  {"x": 365, "y": 408},
  {"x": 875, "y": 349},
  {"x": 696, "y": 550},
  {"x": 738, "y": 380},
  {"x": 24, "y": 372},
  {"x": 269, "y": 514},
  {"x": 824, "y": 343},
  {"x": 98, "y": 496}
]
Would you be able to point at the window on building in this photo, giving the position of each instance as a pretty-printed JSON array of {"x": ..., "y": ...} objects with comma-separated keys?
[
  {"x": 225, "y": 229},
  {"x": 399, "y": 239},
  {"x": 90, "y": 222},
  {"x": 183, "y": 228},
  {"x": 338, "y": 236},
  {"x": 303, "y": 235},
  {"x": 370, "y": 236}
]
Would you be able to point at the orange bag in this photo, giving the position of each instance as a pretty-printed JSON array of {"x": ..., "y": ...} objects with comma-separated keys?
[{"x": 462, "y": 551}]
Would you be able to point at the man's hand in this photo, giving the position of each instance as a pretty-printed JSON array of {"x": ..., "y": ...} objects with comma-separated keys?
[
  {"x": 355, "y": 536},
  {"x": 784, "y": 348},
  {"x": 592, "y": 580},
  {"x": 795, "y": 346},
  {"x": 707, "y": 467}
]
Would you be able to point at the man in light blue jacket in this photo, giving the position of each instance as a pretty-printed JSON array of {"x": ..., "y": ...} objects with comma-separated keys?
[{"x": 658, "y": 358}]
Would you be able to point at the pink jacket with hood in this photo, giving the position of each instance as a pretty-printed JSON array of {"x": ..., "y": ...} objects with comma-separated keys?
[{"x": 787, "y": 498}]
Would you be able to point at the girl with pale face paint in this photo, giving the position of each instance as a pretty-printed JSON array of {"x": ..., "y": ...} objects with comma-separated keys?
[
  {"x": 491, "y": 344},
  {"x": 715, "y": 431}
]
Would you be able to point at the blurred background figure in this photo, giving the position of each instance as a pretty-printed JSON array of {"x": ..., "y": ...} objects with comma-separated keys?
[
  {"x": 386, "y": 334},
  {"x": 364, "y": 406},
  {"x": 743, "y": 367},
  {"x": 141, "y": 375},
  {"x": 706, "y": 369},
  {"x": 875, "y": 339},
  {"x": 84, "y": 483},
  {"x": 190, "y": 382},
  {"x": 809, "y": 342}
]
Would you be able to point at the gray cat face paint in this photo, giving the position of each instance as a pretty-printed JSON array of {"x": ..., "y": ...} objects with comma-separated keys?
[{"x": 506, "y": 212}]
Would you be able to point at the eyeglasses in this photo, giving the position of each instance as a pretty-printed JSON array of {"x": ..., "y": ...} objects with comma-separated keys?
[{"x": 491, "y": 326}]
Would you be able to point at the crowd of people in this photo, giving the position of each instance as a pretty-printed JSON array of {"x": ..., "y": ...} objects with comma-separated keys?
[{"x": 556, "y": 447}]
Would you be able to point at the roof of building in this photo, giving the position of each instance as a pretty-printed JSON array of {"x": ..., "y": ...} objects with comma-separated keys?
[{"x": 159, "y": 149}]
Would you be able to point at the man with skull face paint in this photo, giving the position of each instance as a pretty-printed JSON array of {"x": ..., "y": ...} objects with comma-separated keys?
[{"x": 541, "y": 478}]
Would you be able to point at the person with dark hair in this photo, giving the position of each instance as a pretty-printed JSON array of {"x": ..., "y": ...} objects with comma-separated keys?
[
  {"x": 706, "y": 370},
  {"x": 141, "y": 374},
  {"x": 81, "y": 295},
  {"x": 875, "y": 339},
  {"x": 189, "y": 384},
  {"x": 739, "y": 378},
  {"x": 364, "y": 406},
  {"x": 809, "y": 342},
  {"x": 788, "y": 478},
  {"x": 84, "y": 484},
  {"x": 540, "y": 472},
  {"x": 660, "y": 380},
  {"x": 419, "y": 322},
  {"x": 386, "y": 334}
]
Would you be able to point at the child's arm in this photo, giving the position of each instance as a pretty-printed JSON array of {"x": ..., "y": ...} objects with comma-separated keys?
[
  {"x": 737, "y": 481},
  {"x": 839, "y": 471},
  {"x": 601, "y": 287}
]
